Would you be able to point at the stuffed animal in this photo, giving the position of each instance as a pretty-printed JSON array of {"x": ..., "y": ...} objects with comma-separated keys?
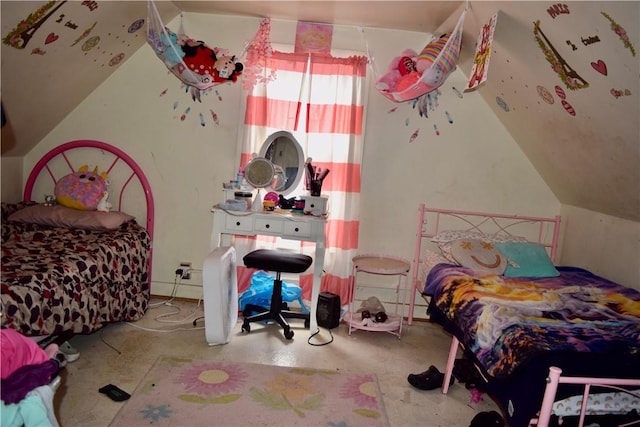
[
  {"x": 406, "y": 65},
  {"x": 171, "y": 51},
  {"x": 389, "y": 81},
  {"x": 227, "y": 69},
  {"x": 81, "y": 190},
  {"x": 204, "y": 61},
  {"x": 199, "y": 57},
  {"x": 49, "y": 200},
  {"x": 103, "y": 204}
]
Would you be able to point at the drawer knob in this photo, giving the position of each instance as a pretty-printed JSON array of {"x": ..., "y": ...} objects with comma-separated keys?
[
  {"x": 266, "y": 226},
  {"x": 296, "y": 229},
  {"x": 238, "y": 223}
]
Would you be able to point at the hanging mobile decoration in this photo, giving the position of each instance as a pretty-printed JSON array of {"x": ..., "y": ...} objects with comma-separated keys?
[
  {"x": 184, "y": 115},
  {"x": 449, "y": 119},
  {"x": 414, "y": 135},
  {"x": 259, "y": 67},
  {"x": 214, "y": 117}
]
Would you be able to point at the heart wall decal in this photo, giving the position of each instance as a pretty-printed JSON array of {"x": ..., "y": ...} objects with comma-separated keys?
[
  {"x": 51, "y": 38},
  {"x": 600, "y": 67}
]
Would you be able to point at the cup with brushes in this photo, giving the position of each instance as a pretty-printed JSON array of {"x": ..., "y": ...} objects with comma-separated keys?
[{"x": 314, "y": 177}]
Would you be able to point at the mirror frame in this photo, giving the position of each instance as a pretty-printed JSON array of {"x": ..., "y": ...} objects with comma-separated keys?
[
  {"x": 264, "y": 168},
  {"x": 301, "y": 159}
]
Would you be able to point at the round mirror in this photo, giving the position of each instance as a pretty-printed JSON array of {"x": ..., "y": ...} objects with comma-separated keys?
[
  {"x": 259, "y": 172},
  {"x": 285, "y": 153}
]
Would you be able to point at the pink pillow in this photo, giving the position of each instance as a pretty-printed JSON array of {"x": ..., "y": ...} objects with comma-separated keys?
[{"x": 61, "y": 216}]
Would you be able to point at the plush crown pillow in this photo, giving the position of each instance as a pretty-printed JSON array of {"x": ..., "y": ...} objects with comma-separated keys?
[
  {"x": 81, "y": 190},
  {"x": 61, "y": 216},
  {"x": 478, "y": 255},
  {"x": 527, "y": 259}
]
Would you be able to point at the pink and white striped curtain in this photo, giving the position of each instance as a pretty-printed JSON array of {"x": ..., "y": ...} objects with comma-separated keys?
[{"x": 320, "y": 100}]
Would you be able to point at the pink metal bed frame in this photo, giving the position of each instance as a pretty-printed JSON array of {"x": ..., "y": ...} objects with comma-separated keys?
[
  {"x": 134, "y": 172},
  {"x": 555, "y": 378},
  {"x": 430, "y": 224}
]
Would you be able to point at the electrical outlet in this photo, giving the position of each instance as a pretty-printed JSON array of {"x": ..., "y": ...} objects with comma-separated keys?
[{"x": 186, "y": 270}]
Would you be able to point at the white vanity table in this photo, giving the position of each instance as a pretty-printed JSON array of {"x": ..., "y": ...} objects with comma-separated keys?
[{"x": 282, "y": 224}]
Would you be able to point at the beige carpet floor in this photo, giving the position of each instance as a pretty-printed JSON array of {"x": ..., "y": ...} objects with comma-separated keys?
[{"x": 121, "y": 354}]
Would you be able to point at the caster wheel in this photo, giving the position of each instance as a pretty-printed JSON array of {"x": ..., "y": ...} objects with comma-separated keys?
[
  {"x": 246, "y": 328},
  {"x": 307, "y": 323},
  {"x": 288, "y": 334}
]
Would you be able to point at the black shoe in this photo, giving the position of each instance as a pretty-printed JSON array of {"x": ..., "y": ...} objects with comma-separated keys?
[
  {"x": 487, "y": 419},
  {"x": 430, "y": 379},
  {"x": 464, "y": 370}
]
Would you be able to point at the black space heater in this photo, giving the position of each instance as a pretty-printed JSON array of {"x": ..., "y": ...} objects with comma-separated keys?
[{"x": 328, "y": 313}]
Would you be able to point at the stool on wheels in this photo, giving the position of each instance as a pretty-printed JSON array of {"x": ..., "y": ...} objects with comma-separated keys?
[{"x": 278, "y": 262}]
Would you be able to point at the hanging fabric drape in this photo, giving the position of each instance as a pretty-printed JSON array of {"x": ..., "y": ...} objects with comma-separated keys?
[
  {"x": 194, "y": 62},
  {"x": 412, "y": 75},
  {"x": 320, "y": 100}
]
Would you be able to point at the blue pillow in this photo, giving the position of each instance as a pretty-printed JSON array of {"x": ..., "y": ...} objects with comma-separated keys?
[{"x": 530, "y": 259}]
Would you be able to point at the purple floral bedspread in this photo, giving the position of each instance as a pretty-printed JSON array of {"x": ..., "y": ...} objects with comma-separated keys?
[
  {"x": 56, "y": 280},
  {"x": 506, "y": 322}
]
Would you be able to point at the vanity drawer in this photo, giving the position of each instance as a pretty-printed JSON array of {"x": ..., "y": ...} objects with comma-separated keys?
[
  {"x": 297, "y": 229},
  {"x": 268, "y": 225},
  {"x": 239, "y": 223}
]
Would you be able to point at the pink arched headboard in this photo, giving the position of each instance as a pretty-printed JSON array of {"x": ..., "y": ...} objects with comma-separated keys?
[{"x": 119, "y": 155}]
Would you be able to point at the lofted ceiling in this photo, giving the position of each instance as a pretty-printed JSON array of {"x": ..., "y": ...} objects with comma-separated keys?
[{"x": 590, "y": 159}]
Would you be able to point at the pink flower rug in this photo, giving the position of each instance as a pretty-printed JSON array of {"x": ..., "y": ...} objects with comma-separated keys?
[{"x": 186, "y": 392}]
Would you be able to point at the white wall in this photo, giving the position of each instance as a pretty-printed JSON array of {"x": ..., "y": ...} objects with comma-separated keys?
[
  {"x": 605, "y": 245},
  {"x": 472, "y": 164},
  {"x": 11, "y": 182}
]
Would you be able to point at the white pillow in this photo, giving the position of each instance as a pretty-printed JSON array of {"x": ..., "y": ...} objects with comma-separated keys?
[{"x": 430, "y": 260}]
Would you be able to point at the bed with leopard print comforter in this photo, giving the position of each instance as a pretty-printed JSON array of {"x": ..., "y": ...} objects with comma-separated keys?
[{"x": 57, "y": 280}]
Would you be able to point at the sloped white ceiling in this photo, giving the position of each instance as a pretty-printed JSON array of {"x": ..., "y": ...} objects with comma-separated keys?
[
  {"x": 54, "y": 54},
  {"x": 590, "y": 159}
]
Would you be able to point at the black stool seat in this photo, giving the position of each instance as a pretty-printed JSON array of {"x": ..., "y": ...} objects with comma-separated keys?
[
  {"x": 279, "y": 262},
  {"x": 271, "y": 260}
]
